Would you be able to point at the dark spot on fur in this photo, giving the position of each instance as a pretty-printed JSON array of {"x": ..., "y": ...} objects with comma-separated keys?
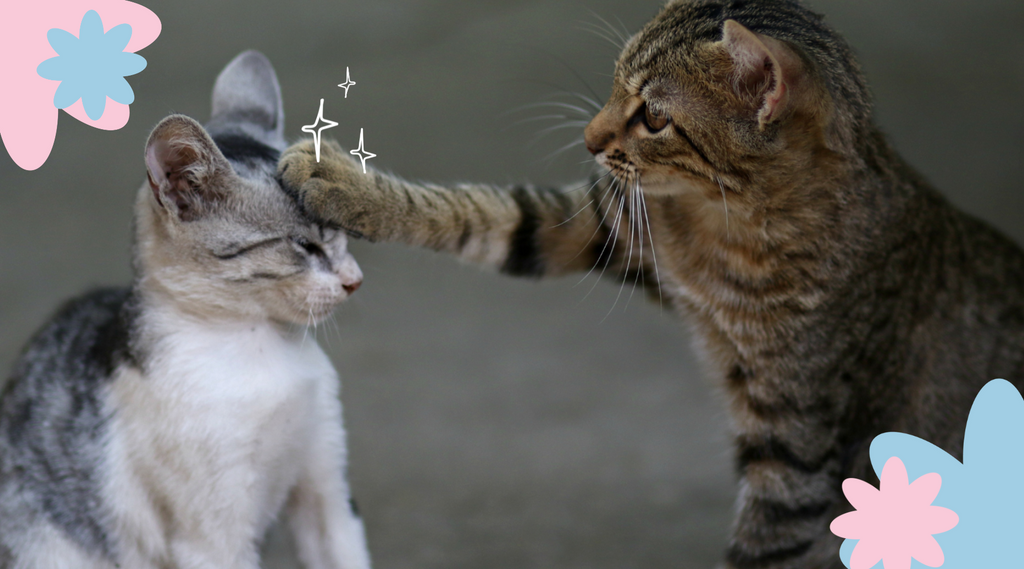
[{"x": 524, "y": 254}]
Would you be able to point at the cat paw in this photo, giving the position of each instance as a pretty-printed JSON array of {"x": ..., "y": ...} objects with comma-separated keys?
[{"x": 332, "y": 190}]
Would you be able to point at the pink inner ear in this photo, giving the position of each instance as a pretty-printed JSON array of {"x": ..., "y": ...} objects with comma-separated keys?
[{"x": 758, "y": 72}]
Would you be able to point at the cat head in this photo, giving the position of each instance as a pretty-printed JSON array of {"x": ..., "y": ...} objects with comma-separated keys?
[
  {"x": 716, "y": 96},
  {"x": 216, "y": 234}
]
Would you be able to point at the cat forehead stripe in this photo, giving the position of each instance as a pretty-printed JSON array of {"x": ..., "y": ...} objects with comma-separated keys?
[{"x": 242, "y": 148}]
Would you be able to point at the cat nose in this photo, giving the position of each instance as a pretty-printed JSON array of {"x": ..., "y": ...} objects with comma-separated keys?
[
  {"x": 596, "y": 139},
  {"x": 350, "y": 288}
]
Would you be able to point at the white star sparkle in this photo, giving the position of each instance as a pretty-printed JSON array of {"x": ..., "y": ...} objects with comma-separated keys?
[
  {"x": 315, "y": 131},
  {"x": 348, "y": 83},
  {"x": 362, "y": 154}
]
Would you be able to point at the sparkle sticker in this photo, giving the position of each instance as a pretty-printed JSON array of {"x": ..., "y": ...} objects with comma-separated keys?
[
  {"x": 348, "y": 83},
  {"x": 316, "y": 131},
  {"x": 362, "y": 154}
]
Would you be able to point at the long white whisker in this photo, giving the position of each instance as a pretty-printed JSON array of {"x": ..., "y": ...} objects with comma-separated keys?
[
  {"x": 614, "y": 236},
  {"x": 609, "y": 191},
  {"x": 640, "y": 239},
  {"x": 629, "y": 256},
  {"x": 611, "y": 28},
  {"x": 599, "y": 32},
  {"x": 570, "y": 124},
  {"x": 596, "y": 182},
  {"x": 565, "y": 148},
  {"x": 654, "y": 254},
  {"x": 557, "y": 104}
]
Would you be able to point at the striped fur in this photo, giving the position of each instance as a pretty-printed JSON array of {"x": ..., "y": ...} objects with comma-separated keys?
[{"x": 835, "y": 292}]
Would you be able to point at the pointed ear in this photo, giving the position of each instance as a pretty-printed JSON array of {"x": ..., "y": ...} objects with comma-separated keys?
[
  {"x": 247, "y": 100},
  {"x": 187, "y": 172},
  {"x": 764, "y": 72}
]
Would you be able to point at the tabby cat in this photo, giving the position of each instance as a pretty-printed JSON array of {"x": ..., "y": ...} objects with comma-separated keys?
[
  {"x": 834, "y": 291},
  {"x": 165, "y": 425}
]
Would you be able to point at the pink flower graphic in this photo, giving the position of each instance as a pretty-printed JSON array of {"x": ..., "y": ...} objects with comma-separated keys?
[
  {"x": 895, "y": 522},
  {"x": 28, "y": 117}
]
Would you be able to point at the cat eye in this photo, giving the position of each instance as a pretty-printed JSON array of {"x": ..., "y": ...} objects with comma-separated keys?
[
  {"x": 308, "y": 246},
  {"x": 654, "y": 119}
]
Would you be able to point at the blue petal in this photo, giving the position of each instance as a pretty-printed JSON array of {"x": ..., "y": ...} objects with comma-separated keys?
[
  {"x": 92, "y": 27},
  {"x": 993, "y": 438},
  {"x": 54, "y": 69},
  {"x": 126, "y": 64},
  {"x": 116, "y": 39},
  {"x": 120, "y": 91},
  {"x": 62, "y": 41},
  {"x": 67, "y": 93},
  {"x": 94, "y": 103}
]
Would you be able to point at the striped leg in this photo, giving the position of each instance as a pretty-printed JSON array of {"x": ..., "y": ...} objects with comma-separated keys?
[
  {"x": 523, "y": 231},
  {"x": 791, "y": 466}
]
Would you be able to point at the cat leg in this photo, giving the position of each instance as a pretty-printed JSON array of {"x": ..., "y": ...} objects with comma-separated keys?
[
  {"x": 204, "y": 554},
  {"x": 328, "y": 531},
  {"x": 791, "y": 466},
  {"x": 46, "y": 546},
  {"x": 523, "y": 230}
]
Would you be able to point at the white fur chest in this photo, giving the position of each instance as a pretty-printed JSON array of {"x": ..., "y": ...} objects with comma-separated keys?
[{"x": 215, "y": 435}]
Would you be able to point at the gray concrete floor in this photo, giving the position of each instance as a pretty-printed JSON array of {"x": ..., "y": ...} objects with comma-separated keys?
[{"x": 493, "y": 422}]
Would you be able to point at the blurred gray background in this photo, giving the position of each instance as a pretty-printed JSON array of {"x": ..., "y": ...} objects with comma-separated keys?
[{"x": 495, "y": 422}]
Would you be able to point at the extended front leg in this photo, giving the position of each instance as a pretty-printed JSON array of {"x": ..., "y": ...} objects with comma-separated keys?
[
  {"x": 328, "y": 531},
  {"x": 522, "y": 230}
]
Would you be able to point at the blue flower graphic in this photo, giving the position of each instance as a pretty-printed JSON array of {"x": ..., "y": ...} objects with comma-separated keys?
[
  {"x": 985, "y": 489},
  {"x": 91, "y": 66}
]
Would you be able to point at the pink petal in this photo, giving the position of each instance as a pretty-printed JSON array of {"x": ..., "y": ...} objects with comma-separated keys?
[
  {"x": 896, "y": 560},
  {"x": 937, "y": 519},
  {"x": 925, "y": 549},
  {"x": 894, "y": 476},
  {"x": 924, "y": 490},
  {"x": 115, "y": 115},
  {"x": 851, "y": 525},
  {"x": 866, "y": 554},
  {"x": 28, "y": 125},
  {"x": 145, "y": 24},
  {"x": 861, "y": 495}
]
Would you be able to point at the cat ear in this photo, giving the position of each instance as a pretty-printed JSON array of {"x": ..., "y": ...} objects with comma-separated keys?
[
  {"x": 247, "y": 100},
  {"x": 187, "y": 173},
  {"x": 764, "y": 70}
]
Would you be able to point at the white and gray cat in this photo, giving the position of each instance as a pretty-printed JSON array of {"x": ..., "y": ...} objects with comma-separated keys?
[{"x": 167, "y": 424}]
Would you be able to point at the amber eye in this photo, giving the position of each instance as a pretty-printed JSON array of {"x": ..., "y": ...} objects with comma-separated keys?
[{"x": 655, "y": 120}]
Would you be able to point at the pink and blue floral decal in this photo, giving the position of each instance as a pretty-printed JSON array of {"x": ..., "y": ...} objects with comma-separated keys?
[
  {"x": 70, "y": 55},
  {"x": 954, "y": 515}
]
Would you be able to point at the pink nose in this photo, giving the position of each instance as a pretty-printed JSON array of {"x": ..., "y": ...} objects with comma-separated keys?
[{"x": 350, "y": 288}]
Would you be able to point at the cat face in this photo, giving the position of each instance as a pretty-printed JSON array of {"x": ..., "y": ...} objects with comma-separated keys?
[
  {"x": 699, "y": 106},
  {"x": 216, "y": 233}
]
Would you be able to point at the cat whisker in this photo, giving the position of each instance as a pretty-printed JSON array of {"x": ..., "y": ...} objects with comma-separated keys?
[
  {"x": 565, "y": 148},
  {"x": 629, "y": 256},
  {"x": 613, "y": 237},
  {"x": 557, "y": 104},
  {"x": 535, "y": 119},
  {"x": 622, "y": 38},
  {"x": 570, "y": 124},
  {"x": 608, "y": 191},
  {"x": 634, "y": 204},
  {"x": 654, "y": 254},
  {"x": 596, "y": 30},
  {"x": 590, "y": 189}
]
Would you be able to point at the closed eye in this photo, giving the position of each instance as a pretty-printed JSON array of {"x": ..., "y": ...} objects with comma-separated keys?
[
  {"x": 309, "y": 247},
  {"x": 239, "y": 250}
]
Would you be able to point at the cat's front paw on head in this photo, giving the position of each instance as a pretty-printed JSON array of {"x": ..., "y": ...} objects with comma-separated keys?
[{"x": 331, "y": 189}]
